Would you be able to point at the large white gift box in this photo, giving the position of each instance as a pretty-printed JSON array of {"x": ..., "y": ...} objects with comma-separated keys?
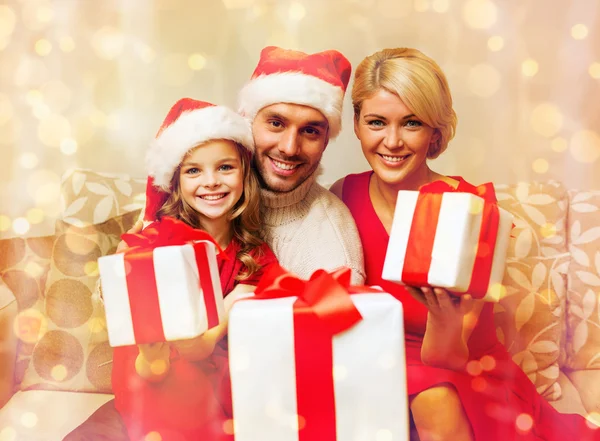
[
  {"x": 451, "y": 240},
  {"x": 366, "y": 373},
  {"x": 163, "y": 294}
]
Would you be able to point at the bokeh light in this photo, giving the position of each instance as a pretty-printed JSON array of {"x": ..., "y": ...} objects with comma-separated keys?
[
  {"x": 585, "y": 146},
  {"x": 440, "y": 6},
  {"x": 174, "y": 70},
  {"x": 6, "y": 109},
  {"x": 559, "y": 144},
  {"x": 35, "y": 216},
  {"x": 593, "y": 420},
  {"x": 474, "y": 368},
  {"x": 594, "y": 70},
  {"x": 56, "y": 95},
  {"x": 548, "y": 230},
  {"x": 579, "y": 31},
  {"x": 540, "y": 166},
  {"x": 524, "y": 422},
  {"x": 421, "y": 5},
  {"x": 488, "y": 363},
  {"x": 5, "y": 223},
  {"x": 68, "y": 146},
  {"x": 59, "y": 372},
  {"x": 20, "y": 226},
  {"x": 30, "y": 325},
  {"x": 529, "y": 67},
  {"x": 237, "y": 4},
  {"x": 495, "y": 43},
  {"x": 28, "y": 160},
  {"x": 153, "y": 436},
  {"x": 43, "y": 47},
  {"x": 108, "y": 43},
  {"x": 297, "y": 11},
  {"x": 479, "y": 14},
  {"x": 8, "y": 434},
  {"x": 497, "y": 291},
  {"x": 66, "y": 44},
  {"x": 29, "y": 419},
  {"x": 44, "y": 187},
  {"x": 546, "y": 119},
  {"x": 53, "y": 129},
  {"x": 8, "y": 19},
  {"x": 197, "y": 61},
  {"x": 384, "y": 435},
  {"x": 228, "y": 426},
  {"x": 297, "y": 422},
  {"x": 483, "y": 80}
]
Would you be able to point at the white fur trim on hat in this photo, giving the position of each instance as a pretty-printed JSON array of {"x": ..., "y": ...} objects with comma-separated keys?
[
  {"x": 294, "y": 88},
  {"x": 191, "y": 129}
]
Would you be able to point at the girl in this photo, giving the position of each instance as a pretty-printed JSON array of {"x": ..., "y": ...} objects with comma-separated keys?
[
  {"x": 199, "y": 173},
  {"x": 403, "y": 116}
]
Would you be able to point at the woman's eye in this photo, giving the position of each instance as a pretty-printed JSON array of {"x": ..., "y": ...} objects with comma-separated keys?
[
  {"x": 413, "y": 123},
  {"x": 376, "y": 123}
]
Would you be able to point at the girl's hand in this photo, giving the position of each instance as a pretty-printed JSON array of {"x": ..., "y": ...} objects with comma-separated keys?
[
  {"x": 201, "y": 347},
  {"x": 137, "y": 228},
  {"x": 152, "y": 363},
  {"x": 443, "y": 306}
]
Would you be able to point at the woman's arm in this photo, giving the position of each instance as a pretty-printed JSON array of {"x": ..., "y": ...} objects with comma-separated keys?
[
  {"x": 201, "y": 347},
  {"x": 8, "y": 351},
  {"x": 337, "y": 187}
]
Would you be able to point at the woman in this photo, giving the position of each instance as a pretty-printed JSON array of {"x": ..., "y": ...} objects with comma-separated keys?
[{"x": 403, "y": 116}]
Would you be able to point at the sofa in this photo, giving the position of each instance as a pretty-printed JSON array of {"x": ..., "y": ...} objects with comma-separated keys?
[{"x": 547, "y": 314}]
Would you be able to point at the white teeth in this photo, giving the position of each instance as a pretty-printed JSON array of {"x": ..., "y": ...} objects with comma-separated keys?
[
  {"x": 284, "y": 166},
  {"x": 213, "y": 197},
  {"x": 394, "y": 158}
]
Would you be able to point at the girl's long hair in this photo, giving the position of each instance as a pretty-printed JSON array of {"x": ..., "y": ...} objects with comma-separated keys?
[{"x": 245, "y": 216}]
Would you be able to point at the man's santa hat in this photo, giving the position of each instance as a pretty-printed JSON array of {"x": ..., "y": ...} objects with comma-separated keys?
[
  {"x": 285, "y": 76},
  {"x": 188, "y": 124}
]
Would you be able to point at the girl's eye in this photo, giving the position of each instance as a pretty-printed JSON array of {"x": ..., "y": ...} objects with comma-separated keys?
[
  {"x": 225, "y": 167},
  {"x": 192, "y": 171}
]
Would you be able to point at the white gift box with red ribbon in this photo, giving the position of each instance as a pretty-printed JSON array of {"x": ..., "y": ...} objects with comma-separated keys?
[
  {"x": 163, "y": 294},
  {"x": 284, "y": 390},
  {"x": 454, "y": 240}
]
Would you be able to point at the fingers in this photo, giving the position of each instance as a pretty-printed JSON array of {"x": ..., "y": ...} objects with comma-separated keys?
[
  {"x": 466, "y": 303},
  {"x": 430, "y": 297}
]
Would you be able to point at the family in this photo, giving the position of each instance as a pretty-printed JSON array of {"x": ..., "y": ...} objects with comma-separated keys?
[{"x": 249, "y": 179}]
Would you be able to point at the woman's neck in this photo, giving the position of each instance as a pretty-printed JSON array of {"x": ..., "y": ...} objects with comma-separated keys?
[{"x": 221, "y": 230}]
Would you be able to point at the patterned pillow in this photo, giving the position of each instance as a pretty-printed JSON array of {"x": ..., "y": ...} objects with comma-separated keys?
[
  {"x": 583, "y": 294},
  {"x": 540, "y": 212},
  {"x": 89, "y": 198},
  {"x": 530, "y": 319},
  {"x": 24, "y": 265},
  {"x": 73, "y": 353}
]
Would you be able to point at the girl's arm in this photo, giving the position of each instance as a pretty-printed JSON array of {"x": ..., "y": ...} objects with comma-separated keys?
[
  {"x": 450, "y": 322},
  {"x": 201, "y": 347},
  {"x": 153, "y": 362}
]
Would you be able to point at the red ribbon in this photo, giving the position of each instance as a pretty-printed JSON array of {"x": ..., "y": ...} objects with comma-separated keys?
[
  {"x": 141, "y": 278},
  {"x": 323, "y": 309},
  {"x": 417, "y": 259}
]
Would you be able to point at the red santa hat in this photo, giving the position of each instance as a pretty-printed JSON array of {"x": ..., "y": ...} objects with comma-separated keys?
[
  {"x": 286, "y": 76},
  {"x": 188, "y": 124}
]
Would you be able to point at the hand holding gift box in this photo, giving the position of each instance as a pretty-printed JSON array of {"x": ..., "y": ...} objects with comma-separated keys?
[
  {"x": 444, "y": 238},
  {"x": 309, "y": 361},
  {"x": 165, "y": 287}
]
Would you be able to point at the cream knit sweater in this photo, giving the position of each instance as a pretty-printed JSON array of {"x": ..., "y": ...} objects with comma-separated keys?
[{"x": 310, "y": 228}]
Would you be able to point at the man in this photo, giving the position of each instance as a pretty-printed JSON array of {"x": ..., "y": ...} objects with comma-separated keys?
[{"x": 294, "y": 101}]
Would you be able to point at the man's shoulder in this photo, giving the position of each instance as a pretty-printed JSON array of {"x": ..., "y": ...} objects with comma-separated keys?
[{"x": 324, "y": 197}]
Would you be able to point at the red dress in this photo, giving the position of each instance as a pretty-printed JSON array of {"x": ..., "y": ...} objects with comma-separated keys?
[
  {"x": 194, "y": 401},
  {"x": 500, "y": 403}
]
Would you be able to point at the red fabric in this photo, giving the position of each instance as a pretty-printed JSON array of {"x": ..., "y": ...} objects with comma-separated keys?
[
  {"x": 194, "y": 400},
  {"x": 500, "y": 395}
]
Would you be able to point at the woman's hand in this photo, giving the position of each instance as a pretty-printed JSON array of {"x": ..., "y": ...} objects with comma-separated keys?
[{"x": 152, "y": 363}]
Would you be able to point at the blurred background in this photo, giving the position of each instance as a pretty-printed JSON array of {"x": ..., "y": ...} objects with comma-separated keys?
[{"x": 86, "y": 84}]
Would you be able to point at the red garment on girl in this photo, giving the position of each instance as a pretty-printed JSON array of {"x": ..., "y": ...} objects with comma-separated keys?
[
  {"x": 493, "y": 400},
  {"x": 194, "y": 400}
]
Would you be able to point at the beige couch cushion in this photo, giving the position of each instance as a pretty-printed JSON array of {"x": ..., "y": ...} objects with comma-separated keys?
[
  {"x": 73, "y": 354},
  {"x": 583, "y": 316},
  {"x": 89, "y": 197},
  {"x": 24, "y": 265},
  {"x": 530, "y": 318},
  {"x": 540, "y": 211}
]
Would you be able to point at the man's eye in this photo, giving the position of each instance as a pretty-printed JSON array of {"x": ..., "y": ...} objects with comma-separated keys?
[
  {"x": 276, "y": 123},
  {"x": 311, "y": 131}
]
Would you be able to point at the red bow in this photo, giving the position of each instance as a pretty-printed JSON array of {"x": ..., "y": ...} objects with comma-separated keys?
[
  {"x": 166, "y": 232},
  {"x": 485, "y": 191},
  {"x": 327, "y": 295}
]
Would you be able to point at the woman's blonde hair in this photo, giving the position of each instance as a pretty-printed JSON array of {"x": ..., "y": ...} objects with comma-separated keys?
[
  {"x": 245, "y": 216},
  {"x": 417, "y": 80}
]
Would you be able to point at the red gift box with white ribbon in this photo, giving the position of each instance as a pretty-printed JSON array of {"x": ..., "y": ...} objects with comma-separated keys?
[
  {"x": 164, "y": 287},
  {"x": 317, "y": 360},
  {"x": 451, "y": 239}
]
